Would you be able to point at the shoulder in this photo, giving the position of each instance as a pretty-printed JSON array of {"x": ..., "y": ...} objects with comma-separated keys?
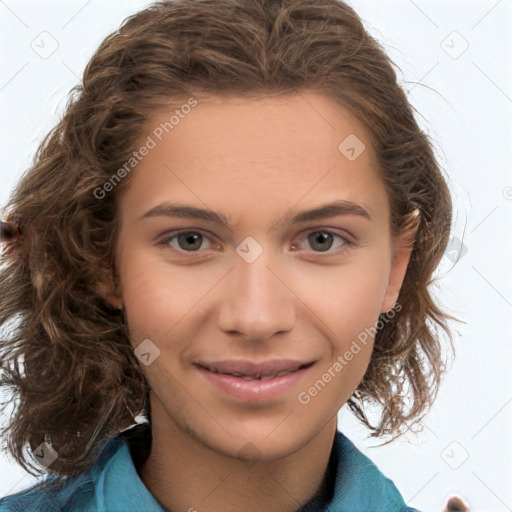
[
  {"x": 360, "y": 483},
  {"x": 44, "y": 496},
  {"x": 55, "y": 494},
  {"x": 112, "y": 484}
]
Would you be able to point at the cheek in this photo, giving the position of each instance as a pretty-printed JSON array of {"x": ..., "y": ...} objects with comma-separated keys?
[
  {"x": 347, "y": 298},
  {"x": 152, "y": 301},
  {"x": 349, "y": 302},
  {"x": 361, "y": 298},
  {"x": 160, "y": 299}
]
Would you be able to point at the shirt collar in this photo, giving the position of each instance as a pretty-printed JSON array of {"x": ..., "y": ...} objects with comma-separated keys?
[{"x": 358, "y": 485}]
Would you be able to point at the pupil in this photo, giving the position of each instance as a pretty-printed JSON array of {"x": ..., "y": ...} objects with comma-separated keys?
[
  {"x": 189, "y": 238},
  {"x": 321, "y": 237}
]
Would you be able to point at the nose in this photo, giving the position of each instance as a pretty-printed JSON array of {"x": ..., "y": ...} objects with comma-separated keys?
[{"x": 257, "y": 302}]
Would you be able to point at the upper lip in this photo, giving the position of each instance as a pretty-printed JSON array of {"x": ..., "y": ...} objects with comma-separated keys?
[{"x": 253, "y": 369}]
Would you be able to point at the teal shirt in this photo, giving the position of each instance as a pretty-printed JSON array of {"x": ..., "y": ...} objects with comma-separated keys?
[{"x": 113, "y": 485}]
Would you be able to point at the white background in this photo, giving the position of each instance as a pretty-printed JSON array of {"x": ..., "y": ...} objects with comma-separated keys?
[{"x": 465, "y": 103}]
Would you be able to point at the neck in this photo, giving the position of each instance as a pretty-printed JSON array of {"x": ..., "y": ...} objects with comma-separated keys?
[{"x": 183, "y": 473}]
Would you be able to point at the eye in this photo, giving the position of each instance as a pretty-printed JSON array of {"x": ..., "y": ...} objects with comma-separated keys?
[
  {"x": 192, "y": 241},
  {"x": 322, "y": 241},
  {"x": 184, "y": 241}
]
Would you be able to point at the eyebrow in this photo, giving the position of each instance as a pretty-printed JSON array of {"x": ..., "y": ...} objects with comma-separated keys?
[{"x": 333, "y": 209}]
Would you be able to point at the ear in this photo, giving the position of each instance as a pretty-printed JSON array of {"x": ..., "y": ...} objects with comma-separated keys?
[
  {"x": 402, "y": 248},
  {"x": 113, "y": 301},
  {"x": 108, "y": 288}
]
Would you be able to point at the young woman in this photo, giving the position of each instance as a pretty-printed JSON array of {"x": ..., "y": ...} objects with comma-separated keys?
[{"x": 230, "y": 234}]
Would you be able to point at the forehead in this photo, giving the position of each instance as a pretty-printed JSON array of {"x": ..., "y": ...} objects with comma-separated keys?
[{"x": 260, "y": 152}]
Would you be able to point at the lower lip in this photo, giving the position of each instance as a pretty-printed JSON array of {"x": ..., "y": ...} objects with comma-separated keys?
[{"x": 254, "y": 390}]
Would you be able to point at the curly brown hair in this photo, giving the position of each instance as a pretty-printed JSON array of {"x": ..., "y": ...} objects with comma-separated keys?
[{"x": 65, "y": 355}]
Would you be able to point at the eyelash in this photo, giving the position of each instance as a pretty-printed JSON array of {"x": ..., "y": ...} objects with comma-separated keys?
[{"x": 347, "y": 244}]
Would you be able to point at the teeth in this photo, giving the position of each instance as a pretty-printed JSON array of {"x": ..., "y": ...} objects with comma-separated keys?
[
  {"x": 258, "y": 377},
  {"x": 247, "y": 377}
]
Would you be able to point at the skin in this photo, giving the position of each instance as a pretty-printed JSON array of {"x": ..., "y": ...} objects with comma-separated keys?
[{"x": 253, "y": 160}]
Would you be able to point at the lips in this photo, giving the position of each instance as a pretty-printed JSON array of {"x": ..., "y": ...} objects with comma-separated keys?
[
  {"x": 248, "y": 370},
  {"x": 251, "y": 382}
]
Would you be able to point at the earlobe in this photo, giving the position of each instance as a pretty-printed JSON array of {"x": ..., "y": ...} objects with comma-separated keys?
[
  {"x": 114, "y": 302},
  {"x": 114, "y": 298},
  {"x": 110, "y": 297},
  {"x": 108, "y": 289},
  {"x": 402, "y": 254}
]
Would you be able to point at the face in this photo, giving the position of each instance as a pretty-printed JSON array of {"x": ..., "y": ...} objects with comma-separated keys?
[{"x": 247, "y": 286}]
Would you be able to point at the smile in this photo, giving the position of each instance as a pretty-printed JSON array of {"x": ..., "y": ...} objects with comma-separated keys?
[
  {"x": 260, "y": 382},
  {"x": 255, "y": 377}
]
